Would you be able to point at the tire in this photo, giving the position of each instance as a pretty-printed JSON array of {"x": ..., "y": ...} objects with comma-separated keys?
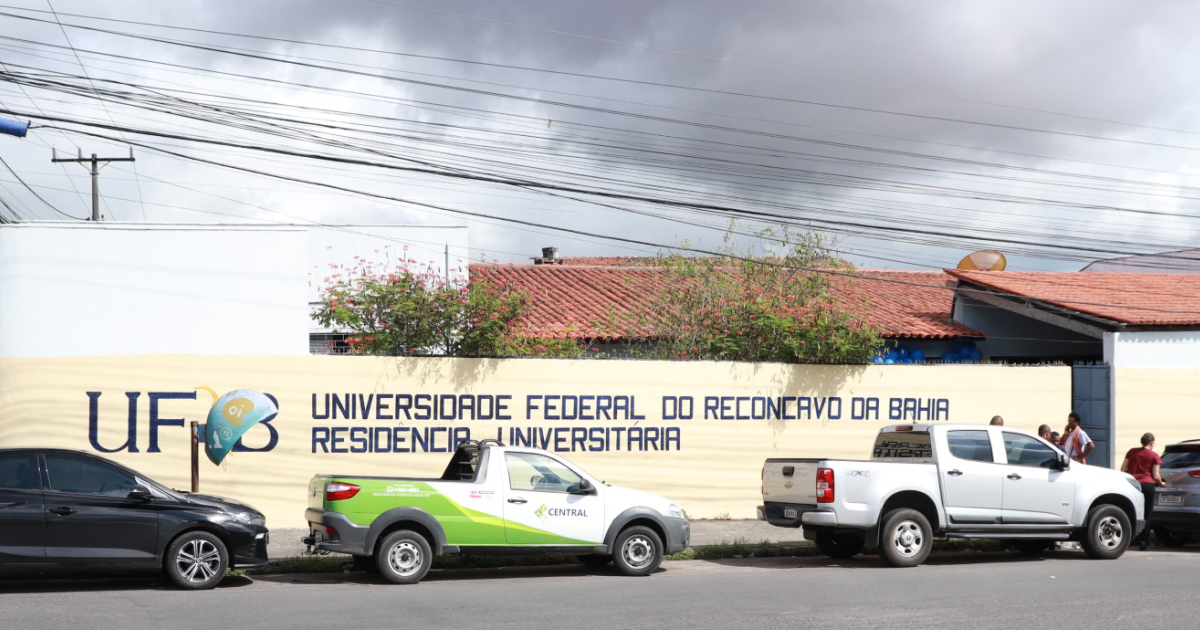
[
  {"x": 196, "y": 560},
  {"x": 905, "y": 538},
  {"x": 595, "y": 561},
  {"x": 638, "y": 551},
  {"x": 403, "y": 557},
  {"x": 840, "y": 546},
  {"x": 1032, "y": 547},
  {"x": 1107, "y": 533},
  {"x": 1170, "y": 538}
]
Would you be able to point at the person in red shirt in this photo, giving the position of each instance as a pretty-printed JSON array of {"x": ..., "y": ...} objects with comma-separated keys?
[{"x": 1143, "y": 464}]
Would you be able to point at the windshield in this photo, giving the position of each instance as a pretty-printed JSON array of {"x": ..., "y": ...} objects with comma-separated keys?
[{"x": 1181, "y": 456}]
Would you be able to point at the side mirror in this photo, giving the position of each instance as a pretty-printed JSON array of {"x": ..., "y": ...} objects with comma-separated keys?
[
  {"x": 141, "y": 493},
  {"x": 585, "y": 487},
  {"x": 1064, "y": 462}
]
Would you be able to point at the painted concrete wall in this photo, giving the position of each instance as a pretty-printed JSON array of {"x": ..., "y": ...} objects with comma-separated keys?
[
  {"x": 709, "y": 463},
  {"x": 94, "y": 289},
  {"x": 1167, "y": 349},
  {"x": 1164, "y": 402}
]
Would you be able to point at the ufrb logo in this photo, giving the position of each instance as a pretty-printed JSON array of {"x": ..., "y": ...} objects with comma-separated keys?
[{"x": 156, "y": 421}]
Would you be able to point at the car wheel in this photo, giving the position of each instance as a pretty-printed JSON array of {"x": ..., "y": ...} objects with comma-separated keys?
[
  {"x": 639, "y": 551},
  {"x": 403, "y": 557},
  {"x": 196, "y": 560},
  {"x": 1107, "y": 533},
  {"x": 906, "y": 537},
  {"x": 840, "y": 546},
  {"x": 1032, "y": 547},
  {"x": 1171, "y": 538},
  {"x": 595, "y": 560}
]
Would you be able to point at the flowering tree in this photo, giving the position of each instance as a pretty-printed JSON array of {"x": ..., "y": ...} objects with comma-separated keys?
[
  {"x": 761, "y": 306},
  {"x": 407, "y": 309}
]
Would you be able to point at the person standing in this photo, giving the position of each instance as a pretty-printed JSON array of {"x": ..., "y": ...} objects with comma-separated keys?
[
  {"x": 1047, "y": 434},
  {"x": 997, "y": 421},
  {"x": 1145, "y": 466},
  {"x": 1075, "y": 441}
]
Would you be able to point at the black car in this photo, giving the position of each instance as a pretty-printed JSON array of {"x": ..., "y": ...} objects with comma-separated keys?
[{"x": 70, "y": 508}]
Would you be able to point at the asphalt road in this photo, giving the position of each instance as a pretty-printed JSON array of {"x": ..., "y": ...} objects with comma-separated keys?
[{"x": 962, "y": 591}]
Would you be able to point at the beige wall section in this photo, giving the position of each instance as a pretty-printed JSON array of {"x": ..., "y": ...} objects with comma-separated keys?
[
  {"x": 44, "y": 402},
  {"x": 1165, "y": 402}
]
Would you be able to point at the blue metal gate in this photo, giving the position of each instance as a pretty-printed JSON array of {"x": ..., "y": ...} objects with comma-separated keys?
[{"x": 1091, "y": 399}]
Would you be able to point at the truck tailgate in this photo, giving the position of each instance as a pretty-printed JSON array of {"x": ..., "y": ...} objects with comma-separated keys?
[
  {"x": 316, "y": 491},
  {"x": 790, "y": 481}
]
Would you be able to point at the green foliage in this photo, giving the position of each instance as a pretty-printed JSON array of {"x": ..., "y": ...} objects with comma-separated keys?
[
  {"x": 409, "y": 310},
  {"x": 761, "y": 306}
]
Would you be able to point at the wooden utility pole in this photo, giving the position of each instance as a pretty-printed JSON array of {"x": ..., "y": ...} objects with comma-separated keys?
[{"x": 95, "y": 174}]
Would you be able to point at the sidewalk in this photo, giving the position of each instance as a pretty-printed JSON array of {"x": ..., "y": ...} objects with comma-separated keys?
[{"x": 286, "y": 542}]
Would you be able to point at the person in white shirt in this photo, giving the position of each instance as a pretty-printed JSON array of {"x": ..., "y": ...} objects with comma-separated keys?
[{"x": 1075, "y": 441}]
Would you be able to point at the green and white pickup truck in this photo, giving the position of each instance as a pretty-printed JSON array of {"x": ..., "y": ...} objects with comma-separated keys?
[{"x": 492, "y": 499}]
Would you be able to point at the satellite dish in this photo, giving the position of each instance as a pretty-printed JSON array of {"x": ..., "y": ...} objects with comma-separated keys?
[{"x": 986, "y": 260}]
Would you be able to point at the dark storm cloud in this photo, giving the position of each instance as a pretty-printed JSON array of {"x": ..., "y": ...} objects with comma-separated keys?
[{"x": 1132, "y": 62}]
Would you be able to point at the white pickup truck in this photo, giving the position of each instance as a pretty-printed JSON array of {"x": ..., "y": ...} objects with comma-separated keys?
[{"x": 952, "y": 481}]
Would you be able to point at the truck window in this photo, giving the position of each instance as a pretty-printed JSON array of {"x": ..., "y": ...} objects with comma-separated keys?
[
  {"x": 530, "y": 471},
  {"x": 970, "y": 445},
  {"x": 902, "y": 445},
  {"x": 1023, "y": 450}
]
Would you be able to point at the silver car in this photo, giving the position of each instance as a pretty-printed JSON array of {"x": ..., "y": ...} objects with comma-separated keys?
[{"x": 1176, "y": 516}]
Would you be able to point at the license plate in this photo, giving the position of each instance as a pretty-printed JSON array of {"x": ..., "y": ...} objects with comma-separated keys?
[
  {"x": 1169, "y": 498},
  {"x": 790, "y": 513}
]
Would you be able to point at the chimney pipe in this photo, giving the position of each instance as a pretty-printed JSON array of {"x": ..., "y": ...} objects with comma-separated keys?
[{"x": 549, "y": 257}]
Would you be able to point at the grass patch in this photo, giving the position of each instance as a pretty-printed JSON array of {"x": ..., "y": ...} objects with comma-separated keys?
[
  {"x": 743, "y": 548},
  {"x": 301, "y": 564}
]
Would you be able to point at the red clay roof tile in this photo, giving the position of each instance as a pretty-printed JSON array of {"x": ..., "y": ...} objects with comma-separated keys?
[
  {"x": 573, "y": 300},
  {"x": 1140, "y": 299}
]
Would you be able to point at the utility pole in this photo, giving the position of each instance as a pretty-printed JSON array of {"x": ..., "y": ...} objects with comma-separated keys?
[{"x": 95, "y": 173}]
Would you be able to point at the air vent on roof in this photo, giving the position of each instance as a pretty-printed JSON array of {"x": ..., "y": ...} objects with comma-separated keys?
[{"x": 549, "y": 257}]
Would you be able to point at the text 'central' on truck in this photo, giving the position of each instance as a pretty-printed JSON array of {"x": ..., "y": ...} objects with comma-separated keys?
[{"x": 497, "y": 500}]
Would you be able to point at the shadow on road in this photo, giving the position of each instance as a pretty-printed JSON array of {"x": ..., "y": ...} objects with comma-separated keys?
[
  {"x": 449, "y": 575},
  {"x": 873, "y": 561},
  {"x": 69, "y": 581}
]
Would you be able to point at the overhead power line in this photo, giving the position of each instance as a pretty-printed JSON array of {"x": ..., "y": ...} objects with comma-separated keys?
[{"x": 748, "y": 64}]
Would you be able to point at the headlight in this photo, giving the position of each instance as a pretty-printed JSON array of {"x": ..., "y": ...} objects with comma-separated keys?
[
  {"x": 675, "y": 511},
  {"x": 250, "y": 518},
  {"x": 1133, "y": 482}
]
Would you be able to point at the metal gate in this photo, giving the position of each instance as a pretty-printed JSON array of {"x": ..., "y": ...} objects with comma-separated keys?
[{"x": 1091, "y": 399}]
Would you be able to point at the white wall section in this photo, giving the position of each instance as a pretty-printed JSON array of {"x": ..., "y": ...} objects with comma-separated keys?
[{"x": 96, "y": 289}]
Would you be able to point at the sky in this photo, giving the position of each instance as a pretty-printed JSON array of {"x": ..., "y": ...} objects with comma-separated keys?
[{"x": 909, "y": 133}]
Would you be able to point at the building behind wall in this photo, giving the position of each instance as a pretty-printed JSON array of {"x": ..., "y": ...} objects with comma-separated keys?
[{"x": 107, "y": 288}]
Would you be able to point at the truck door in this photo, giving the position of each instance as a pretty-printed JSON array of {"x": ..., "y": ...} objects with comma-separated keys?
[
  {"x": 1035, "y": 491},
  {"x": 972, "y": 481},
  {"x": 543, "y": 505}
]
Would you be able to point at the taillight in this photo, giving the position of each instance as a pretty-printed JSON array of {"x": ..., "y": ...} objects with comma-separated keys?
[
  {"x": 340, "y": 491},
  {"x": 824, "y": 485},
  {"x": 1194, "y": 473},
  {"x": 762, "y": 478}
]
